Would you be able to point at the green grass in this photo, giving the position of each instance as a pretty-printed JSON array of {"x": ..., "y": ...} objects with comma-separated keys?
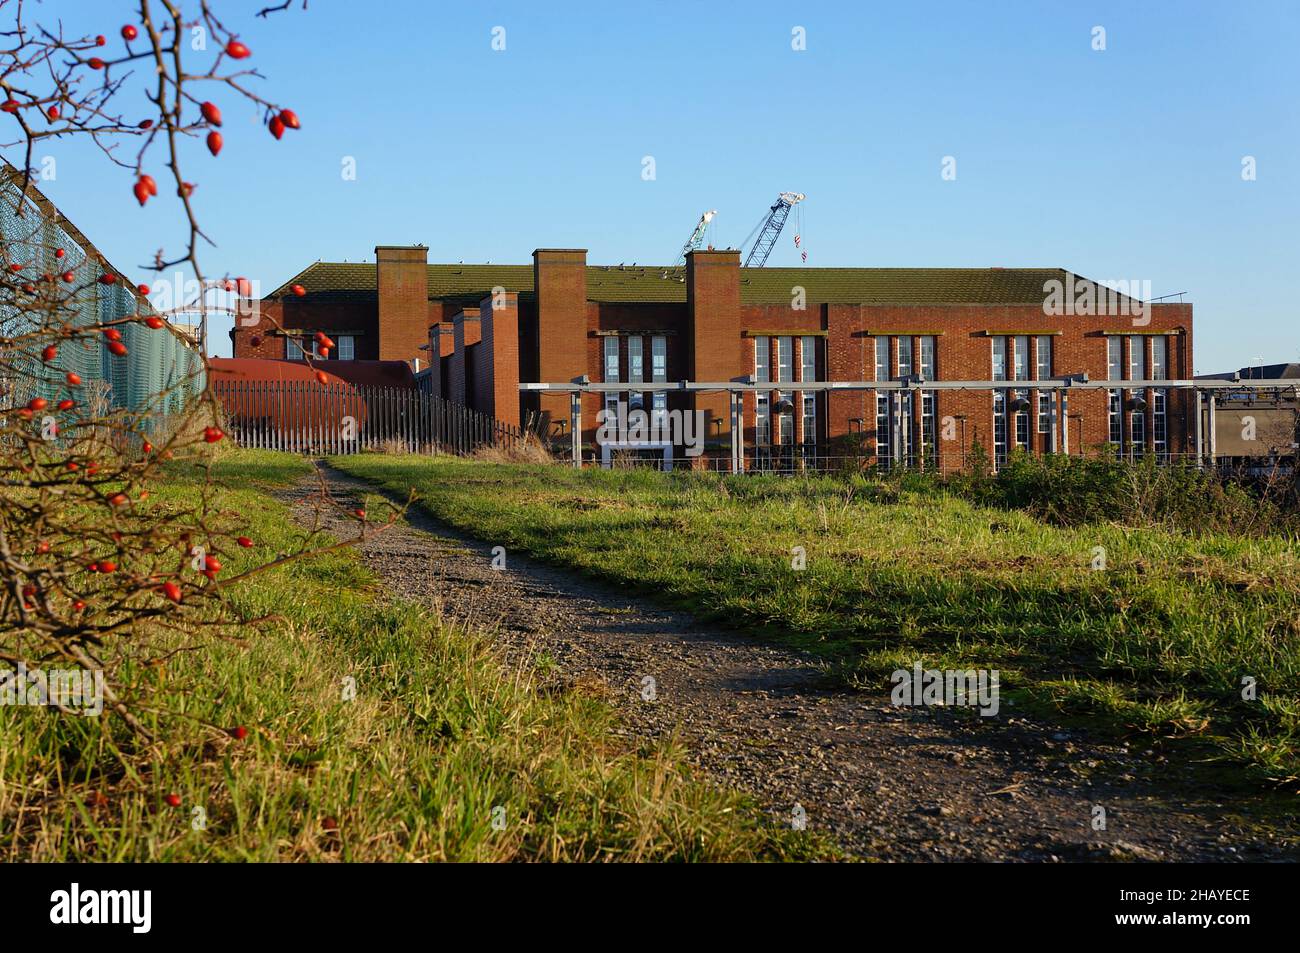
[
  {"x": 1158, "y": 643},
  {"x": 441, "y": 739}
]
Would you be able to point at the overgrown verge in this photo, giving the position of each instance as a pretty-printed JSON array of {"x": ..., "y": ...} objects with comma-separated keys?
[
  {"x": 1139, "y": 630},
  {"x": 348, "y": 726}
]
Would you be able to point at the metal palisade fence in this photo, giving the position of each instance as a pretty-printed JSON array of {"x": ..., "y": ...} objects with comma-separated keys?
[{"x": 308, "y": 417}]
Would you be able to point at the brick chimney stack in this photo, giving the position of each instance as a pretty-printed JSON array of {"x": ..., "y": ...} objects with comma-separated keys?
[
  {"x": 716, "y": 351},
  {"x": 402, "y": 279}
]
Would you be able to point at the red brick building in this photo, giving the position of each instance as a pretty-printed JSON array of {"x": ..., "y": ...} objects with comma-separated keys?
[{"x": 477, "y": 331}]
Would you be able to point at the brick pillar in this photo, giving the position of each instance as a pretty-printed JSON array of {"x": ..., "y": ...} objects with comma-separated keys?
[
  {"x": 402, "y": 279},
  {"x": 435, "y": 360},
  {"x": 500, "y": 385},
  {"x": 465, "y": 331},
  {"x": 560, "y": 280},
  {"x": 716, "y": 352}
]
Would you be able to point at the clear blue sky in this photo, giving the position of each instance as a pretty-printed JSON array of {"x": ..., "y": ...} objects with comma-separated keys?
[{"x": 1117, "y": 164}]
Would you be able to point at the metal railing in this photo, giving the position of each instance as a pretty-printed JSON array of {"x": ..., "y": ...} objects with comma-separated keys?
[{"x": 307, "y": 417}]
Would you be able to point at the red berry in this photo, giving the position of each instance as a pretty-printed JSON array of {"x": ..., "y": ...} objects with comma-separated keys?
[
  {"x": 172, "y": 591},
  {"x": 212, "y": 434},
  {"x": 322, "y": 377},
  {"x": 276, "y": 125},
  {"x": 95, "y": 63},
  {"x": 68, "y": 276},
  {"x": 141, "y": 192},
  {"x": 360, "y": 514},
  {"x": 185, "y": 190},
  {"x": 147, "y": 447},
  {"x": 129, "y": 32},
  {"x": 244, "y": 541},
  {"x": 299, "y": 290},
  {"x": 67, "y": 404},
  {"x": 93, "y": 567},
  {"x": 154, "y": 322},
  {"x": 37, "y": 403},
  {"x": 143, "y": 289},
  {"x": 78, "y": 605},
  {"x": 113, "y": 334},
  {"x": 290, "y": 119},
  {"x": 237, "y": 51},
  {"x": 117, "y": 348},
  {"x": 212, "y": 563},
  {"x": 145, "y": 124},
  {"x": 100, "y": 40},
  {"x": 52, "y": 112},
  {"x": 73, "y": 379},
  {"x": 239, "y": 732},
  {"x": 43, "y": 546},
  {"x": 49, "y": 353},
  {"x": 211, "y": 113},
  {"x": 108, "y": 278},
  {"x": 150, "y": 184},
  {"x": 107, "y": 566},
  {"x": 59, "y": 253},
  {"x": 119, "y": 499},
  {"x": 214, "y": 142},
  {"x": 9, "y": 105},
  {"x": 174, "y": 800},
  {"x": 329, "y": 824}
]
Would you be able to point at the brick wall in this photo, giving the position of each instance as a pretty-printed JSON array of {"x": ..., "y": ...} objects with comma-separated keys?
[
  {"x": 560, "y": 283},
  {"x": 716, "y": 351},
  {"x": 498, "y": 382},
  {"x": 335, "y": 315},
  {"x": 465, "y": 333},
  {"x": 403, "y": 319}
]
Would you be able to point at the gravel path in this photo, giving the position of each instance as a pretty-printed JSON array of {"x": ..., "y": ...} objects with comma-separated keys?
[{"x": 889, "y": 783}]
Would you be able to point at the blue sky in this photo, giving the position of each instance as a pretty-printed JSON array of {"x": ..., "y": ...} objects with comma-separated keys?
[{"x": 1122, "y": 164}]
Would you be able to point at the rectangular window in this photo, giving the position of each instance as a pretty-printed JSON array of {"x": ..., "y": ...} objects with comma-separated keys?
[
  {"x": 1159, "y": 422},
  {"x": 807, "y": 358},
  {"x": 999, "y": 357},
  {"x": 347, "y": 347},
  {"x": 784, "y": 359},
  {"x": 927, "y": 357},
  {"x": 1044, "y": 411},
  {"x": 293, "y": 349},
  {"x": 763, "y": 375},
  {"x": 884, "y": 429},
  {"x": 611, "y": 375},
  {"x": 1022, "y": 357},
  {"x": 882, "y": 359},
  {"x": 1137, "y": 359},
  {"x": 1000, "y": 425},
  {"x": 1044, "y": 357},
  {"x": 904, "y": 356},
  {"x": 762, "y": 359},
  {"x": 1022, "y": 420},
  {"x": 1114, "y": 403},
  {"x": 635, "y": 359},
  {"x": 1043, "y": 371},
  {"x": 659, "y": 358},
  {"x": 611, "y": 359},
  {"x": 1160, "y": 358},
  {"x": 808, "y": 372}
]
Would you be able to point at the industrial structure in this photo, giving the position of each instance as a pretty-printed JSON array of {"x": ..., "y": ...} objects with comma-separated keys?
[{"x": 831, "y": 361}]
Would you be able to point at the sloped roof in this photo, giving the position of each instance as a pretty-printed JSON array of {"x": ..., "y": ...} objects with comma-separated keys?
[{"x": 650, "y": 283}]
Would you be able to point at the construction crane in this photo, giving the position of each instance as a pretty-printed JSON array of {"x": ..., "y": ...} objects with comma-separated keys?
[
  {"x": 769, "y": 230},
  {"x": 697, "y": 236}
]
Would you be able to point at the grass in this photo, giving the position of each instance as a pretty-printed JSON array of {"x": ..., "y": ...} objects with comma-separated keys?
[
  {"x": 444, "y": 753},
  {"x": 1157, "y": 643}
]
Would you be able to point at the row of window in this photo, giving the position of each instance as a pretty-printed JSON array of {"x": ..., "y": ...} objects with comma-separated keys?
[
  {"x": 296, "y": 349},
  {"x": 784, "y": 367},
  {"x": 636, "y": 370}
]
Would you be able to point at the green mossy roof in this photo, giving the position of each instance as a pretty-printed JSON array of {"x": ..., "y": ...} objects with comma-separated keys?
[{"x": 614, "y": 283}]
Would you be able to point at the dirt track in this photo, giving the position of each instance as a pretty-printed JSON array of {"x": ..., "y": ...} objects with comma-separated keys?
[{"x": 889, "y": 783}]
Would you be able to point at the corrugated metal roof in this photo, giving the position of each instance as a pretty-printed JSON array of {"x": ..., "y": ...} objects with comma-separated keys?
[{"x": 615, "y": 283}]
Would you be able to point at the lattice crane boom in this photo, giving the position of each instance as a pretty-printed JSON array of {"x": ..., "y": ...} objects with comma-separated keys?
[
  {"x": 770, "y": 230},
  {"x": 697, "y": 236}
]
